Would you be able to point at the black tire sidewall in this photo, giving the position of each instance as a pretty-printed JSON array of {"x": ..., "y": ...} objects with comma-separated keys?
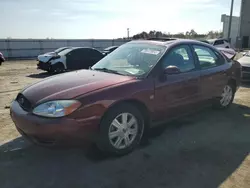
[
  {"x": 103, "y": 140},
  {"x": 57, "y": 66}
]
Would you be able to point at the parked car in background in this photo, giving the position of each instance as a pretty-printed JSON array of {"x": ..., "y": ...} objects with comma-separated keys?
[
  {"x": 138, "y": 86},
  {"x": 220, "y": 43},
  {"x": 73, "y": 58},
  {"x": 49, "y": 55},
  {"x": 2, "y": 59},
  {"x": 245, "y": 66},
  {"x": 203, "y": 40},
  {"x": 108, "y": 50},
  {"x": 228, "y": 52}
]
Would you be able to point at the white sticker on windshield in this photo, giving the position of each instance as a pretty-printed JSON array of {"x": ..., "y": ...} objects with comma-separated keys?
[{"x": 150, "y": 51}]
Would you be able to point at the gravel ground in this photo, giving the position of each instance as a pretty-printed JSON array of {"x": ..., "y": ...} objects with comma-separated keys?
[{"x": 208, "y": 149}]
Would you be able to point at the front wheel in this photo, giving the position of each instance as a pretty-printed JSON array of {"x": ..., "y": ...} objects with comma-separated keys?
[
  {"x": 57, "y": 68},
  {"x": 226, "y": 98},
  {"x": 121, "y": 129}
]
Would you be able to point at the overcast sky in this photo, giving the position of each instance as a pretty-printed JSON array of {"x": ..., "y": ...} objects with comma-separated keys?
[{"x": 108, "y": 18}]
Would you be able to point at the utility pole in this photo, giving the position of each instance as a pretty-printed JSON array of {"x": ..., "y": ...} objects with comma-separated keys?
[
  {"x": 128, "y": 32},
  {"x": 230, "y": 20}
]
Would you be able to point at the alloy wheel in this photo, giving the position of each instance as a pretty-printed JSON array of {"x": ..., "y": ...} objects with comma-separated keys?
[
  {"x": 123, "y": 130},
  {"x": 226, "y": 96}
]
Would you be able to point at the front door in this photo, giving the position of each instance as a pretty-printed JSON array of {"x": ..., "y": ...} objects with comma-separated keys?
[{"x": 177, "y": 93}]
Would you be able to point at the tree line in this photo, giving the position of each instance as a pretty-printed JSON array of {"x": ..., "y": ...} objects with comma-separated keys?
[{"x": 188, "y": 34}]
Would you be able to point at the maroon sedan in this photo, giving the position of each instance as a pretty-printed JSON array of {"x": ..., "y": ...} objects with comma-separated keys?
[{"x": 139, "y": 85}]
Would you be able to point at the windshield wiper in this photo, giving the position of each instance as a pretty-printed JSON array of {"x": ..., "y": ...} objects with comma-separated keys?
[{"x": 107, "y": 70}]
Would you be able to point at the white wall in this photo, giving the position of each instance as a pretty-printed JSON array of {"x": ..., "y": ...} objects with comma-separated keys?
[
  {"x": 234, "y": 33},
  {"x": 245, "y": 20},
  {"x": 31, "y": 48}
]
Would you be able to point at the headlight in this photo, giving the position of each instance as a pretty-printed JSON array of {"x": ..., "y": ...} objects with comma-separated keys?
[
  {"x": 55, "y": 57},
  {"x": 57, "y": 108}
]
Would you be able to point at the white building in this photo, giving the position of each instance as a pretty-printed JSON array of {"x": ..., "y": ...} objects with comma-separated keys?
[
  {"x": 234, "y": 28},
  {"x": 244, "y": 34}
]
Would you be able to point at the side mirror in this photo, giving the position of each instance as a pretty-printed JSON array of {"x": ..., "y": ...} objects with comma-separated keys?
[{"x": 172, "y": 70}]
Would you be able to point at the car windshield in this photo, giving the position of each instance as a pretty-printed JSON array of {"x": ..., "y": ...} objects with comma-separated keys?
[
  {"x": 135, "y": 59},
  {"x": 60, "y": 49},
  {"x": 64, "y": 52}
]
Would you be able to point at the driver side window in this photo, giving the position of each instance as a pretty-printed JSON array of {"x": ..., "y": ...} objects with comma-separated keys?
[{"x": 181, "y": 58}]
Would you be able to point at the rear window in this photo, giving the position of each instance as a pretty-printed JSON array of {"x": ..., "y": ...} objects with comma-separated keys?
[{"x": 218, "y": 42}]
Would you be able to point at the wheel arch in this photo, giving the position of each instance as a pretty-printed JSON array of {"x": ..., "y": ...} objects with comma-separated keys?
[
  {"x": 233, "y": 82},
  {"x": 61, "y": 60},
  {"x": 137, "y": 104}
]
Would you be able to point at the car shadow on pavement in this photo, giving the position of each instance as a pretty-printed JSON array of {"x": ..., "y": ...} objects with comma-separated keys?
[
  {"x": 201, "y": 150},
  {"x": 40, "y": 75}
]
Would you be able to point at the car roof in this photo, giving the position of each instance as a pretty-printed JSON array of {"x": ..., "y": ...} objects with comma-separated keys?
[
  {"x": 213, "y": 40},
  {"x": 82, "y": 48},
  {"x": 74, "y": 48},
  {"x": 171, "y": 42},
  {"x": 163, "y": 39}
]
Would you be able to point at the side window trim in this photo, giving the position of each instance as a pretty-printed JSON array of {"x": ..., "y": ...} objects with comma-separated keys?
[
  {"x": 189, "y": 52},
  {"x": 197, "y": 58}
]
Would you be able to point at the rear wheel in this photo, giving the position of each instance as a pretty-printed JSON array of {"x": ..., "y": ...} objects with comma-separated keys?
[
  {"x": 227, "y": 97},
  {"x": 121, "y": 129}
]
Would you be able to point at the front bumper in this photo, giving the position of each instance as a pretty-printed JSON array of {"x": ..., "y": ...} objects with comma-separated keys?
[
  {"x": 53, "y": 131},
  {"x": 43, "y": 66},
  {"x": 245, "y": 76},
  {"x": 245, "y": 73}
]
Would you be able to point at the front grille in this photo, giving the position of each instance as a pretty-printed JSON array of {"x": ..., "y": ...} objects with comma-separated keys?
[
  {"x": 246, "y": 69},
  {"x": 23, "y": 102},
  {"x": 246, "y": 76},
  {"x": 43, "y": 66}
]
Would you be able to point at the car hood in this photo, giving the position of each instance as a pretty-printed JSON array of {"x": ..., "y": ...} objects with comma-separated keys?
[
  {"x": 244, "y": 61},
  {"x": 228, "y": 52},
  {"x": 46, "y": 57},
  {"x": 70, "y": 85}
]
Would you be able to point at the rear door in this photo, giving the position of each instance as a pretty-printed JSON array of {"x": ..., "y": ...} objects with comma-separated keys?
[
  {"x": 178, "y": 93},
  {"x": 74, "y": 59},
  {"x": 93, "y": 56},
  {"x": 213, "y": 69}
]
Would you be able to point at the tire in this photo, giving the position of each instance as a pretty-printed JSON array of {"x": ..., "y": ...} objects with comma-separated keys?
[
  {"x": 50, "y": 70},
  {"x": 57, "y": 68},
  {"x": 124, "y": 138},
  {"x": 226, "y": 98}
]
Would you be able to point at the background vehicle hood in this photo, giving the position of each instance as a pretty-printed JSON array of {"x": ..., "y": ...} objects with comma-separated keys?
[
  {"x": 70, "y": 85},
  {"x": 229, "y": 52},
  {"x": 46, "y": 57},
  {"x": 244, "y": 61}
]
